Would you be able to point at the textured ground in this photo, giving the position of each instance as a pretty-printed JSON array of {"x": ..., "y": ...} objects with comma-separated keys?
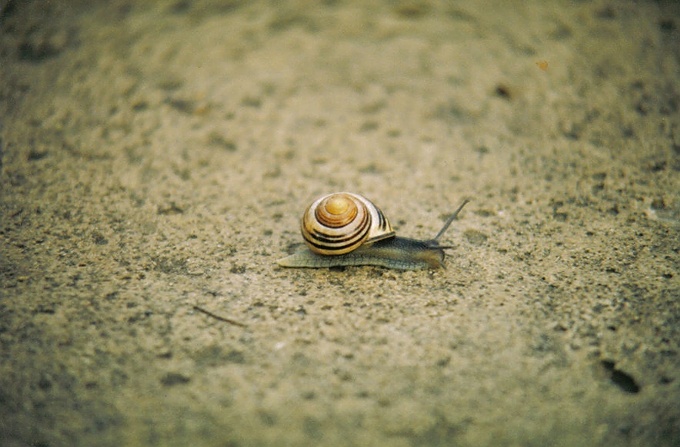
[{"x": 156, "y": 156}]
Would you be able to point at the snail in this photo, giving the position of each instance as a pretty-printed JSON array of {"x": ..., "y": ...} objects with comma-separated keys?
[{"x": 344, "y": 229}]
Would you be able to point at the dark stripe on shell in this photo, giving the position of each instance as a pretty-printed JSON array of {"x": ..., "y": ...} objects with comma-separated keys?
[
  {"x": 330, "y": 242},
  {"x": 369, "y": 225}
]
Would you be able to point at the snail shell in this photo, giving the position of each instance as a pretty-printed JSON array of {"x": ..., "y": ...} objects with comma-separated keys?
[
  {"x": 344, "y": 229},
  {"x": 342, "y": 222}
]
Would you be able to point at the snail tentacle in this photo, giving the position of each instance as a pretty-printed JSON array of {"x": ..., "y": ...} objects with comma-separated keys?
[{"x": 450, "y": 220}]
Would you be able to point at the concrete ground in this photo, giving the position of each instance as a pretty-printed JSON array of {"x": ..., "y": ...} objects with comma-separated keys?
[{"x": 157, "y": 156}]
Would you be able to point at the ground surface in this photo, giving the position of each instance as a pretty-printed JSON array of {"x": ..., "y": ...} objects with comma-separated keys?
[{"x": 156, "y": 156}]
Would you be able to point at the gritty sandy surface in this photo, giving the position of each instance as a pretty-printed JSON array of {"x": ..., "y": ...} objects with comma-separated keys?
[{"x": 157, "y": 156}]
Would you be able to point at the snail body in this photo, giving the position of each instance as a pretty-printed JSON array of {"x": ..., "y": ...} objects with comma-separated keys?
[{"x": 346, "y": 229}]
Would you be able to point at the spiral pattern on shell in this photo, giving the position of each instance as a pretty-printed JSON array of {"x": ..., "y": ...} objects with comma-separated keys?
[{"x": 341, "y": 222}]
